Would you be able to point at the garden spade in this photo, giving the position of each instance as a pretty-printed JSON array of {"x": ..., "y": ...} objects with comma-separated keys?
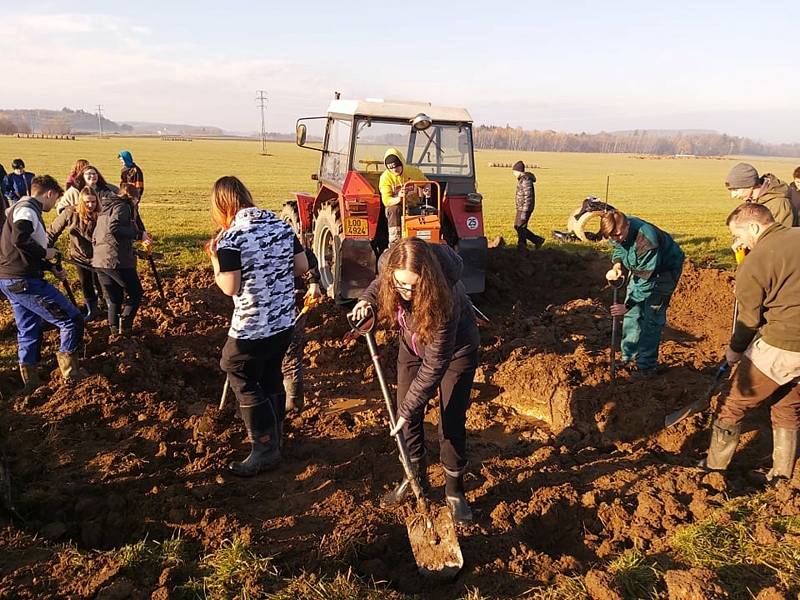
[
  {"x": 700, "y": 404},
  {"x": 431, "y": 530}
]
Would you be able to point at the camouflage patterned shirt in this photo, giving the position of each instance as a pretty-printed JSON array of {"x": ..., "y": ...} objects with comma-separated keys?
[{"x": 263, "y": 247}]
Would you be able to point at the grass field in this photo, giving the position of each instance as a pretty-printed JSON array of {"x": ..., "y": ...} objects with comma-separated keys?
[{"x": 686, "y": 197}]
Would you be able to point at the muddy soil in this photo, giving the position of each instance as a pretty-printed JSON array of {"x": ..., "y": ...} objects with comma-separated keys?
[{"x": 568, "y": 467}]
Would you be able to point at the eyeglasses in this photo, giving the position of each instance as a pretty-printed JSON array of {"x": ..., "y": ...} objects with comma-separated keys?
[{"x": 404, "y": 287}]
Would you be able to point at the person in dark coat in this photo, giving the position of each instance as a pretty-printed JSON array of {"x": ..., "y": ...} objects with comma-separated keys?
[
  {"x": 525, "y": 200},
  {"x": 3, "y": 199},
  {"x": 17, "y": 184},
  {"x": 80, "y": 221},
  {"x": 418, "y": 290},
  {"x": 118, "y": 227},
  {"x": 23, "y": 260},
  {"x": 794, "y": 191}
]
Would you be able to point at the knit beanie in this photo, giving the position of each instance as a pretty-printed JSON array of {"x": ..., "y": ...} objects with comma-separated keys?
[
  {"x": 519, "y": 166},
  {"x": 741, "y": 176},
  {"x": 392, "y": 161}
]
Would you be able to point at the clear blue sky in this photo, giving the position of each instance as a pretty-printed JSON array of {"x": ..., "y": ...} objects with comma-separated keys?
[{"x": 571, "y": 65}]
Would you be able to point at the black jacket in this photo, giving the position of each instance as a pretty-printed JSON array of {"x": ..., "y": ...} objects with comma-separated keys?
[
  {"x": 80, "y": 234},
  {"x": 20, "y": 254},
  {"x": 525, "y": 198},
  {"x": 116, "y": 230},
  {"x": 458, "y": 338}
]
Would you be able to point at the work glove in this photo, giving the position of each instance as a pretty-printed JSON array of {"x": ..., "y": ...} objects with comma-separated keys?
[
  {"x": 398, "y": 425},
  {"x": 614, "y": 273}
]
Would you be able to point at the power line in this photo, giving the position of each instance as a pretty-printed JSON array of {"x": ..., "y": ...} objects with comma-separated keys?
[
  {"x": 100, "y": 119},
  {"x": 262, "y": 100}
]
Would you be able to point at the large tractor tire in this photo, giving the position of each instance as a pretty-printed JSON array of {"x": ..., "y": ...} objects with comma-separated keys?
[
  {"x": 290, "y": 214},
  {"x": 328, "y": 237}
]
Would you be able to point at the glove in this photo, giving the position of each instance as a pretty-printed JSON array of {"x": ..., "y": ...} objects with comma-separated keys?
[{"x": 615, "y": 273}]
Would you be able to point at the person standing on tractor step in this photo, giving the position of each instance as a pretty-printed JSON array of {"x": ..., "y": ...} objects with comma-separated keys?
[
  {"x": 131, "y": 173},
  {"x": 794, "y": 192},
  {"x": 255, "y": 258},
  {"x": 80, "y": 221},
  {"x": 306, "y": 289},
  {"x": 765, "y": 340},
  {"x": 114, "y": 258},
  {"x": 418, "y": 289},
  {"x": 393, "y": 192},
  {"x": 654, "y": 263},
  {"x": 17, "y": 184},
  {"x": 745, "y": 185},
  {"x": 23, "y": 255},
  {"x": 525, "y": 200}
]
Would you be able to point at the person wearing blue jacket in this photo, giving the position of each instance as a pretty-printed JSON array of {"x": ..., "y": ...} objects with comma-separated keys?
[
  {"x": 654, "y": 263},
  {"x": 17, "y": 184}
]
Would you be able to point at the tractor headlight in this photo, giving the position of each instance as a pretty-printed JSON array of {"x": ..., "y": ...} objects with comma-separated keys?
[{"x": 475, "y": 198}]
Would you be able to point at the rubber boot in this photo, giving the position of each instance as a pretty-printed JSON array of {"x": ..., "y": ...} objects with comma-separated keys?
[
  {"x": 265, "y": 453},
  {"x": 401, "y": 491},
  {"x": 456, "y": 501},
  {"x": 92, "y": 313},
  {"x": 68, "y": 365},
  {"x": 294, "y": 395},
  {"x": 30, "y": 378},
  {"x": 724, "y": 440},
  {"x": 126, "y": 325},
  {"x": 784, "y": 453}
]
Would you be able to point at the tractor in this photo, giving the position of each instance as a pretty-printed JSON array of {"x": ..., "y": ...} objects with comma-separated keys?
[{"x": 344, "y": 222}]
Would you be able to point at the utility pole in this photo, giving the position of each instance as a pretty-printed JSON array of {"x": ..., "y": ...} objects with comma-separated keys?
[
  {"x": 262, "y": 102},
  {"x": 100, "y": 119}
]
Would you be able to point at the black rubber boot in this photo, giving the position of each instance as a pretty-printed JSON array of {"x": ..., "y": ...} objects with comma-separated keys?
[
  {"x": 265, "y": 452},
  {"x": 294, "y": 395},
  {"x": 92, "y": 313},
  {"x": 724, "y": 440},
  {"x": 456, "y": 501},
  {"x": 126, "y": 325},
  {"x": 784, "y": 453},
  {"x": 402, "y": 490}
]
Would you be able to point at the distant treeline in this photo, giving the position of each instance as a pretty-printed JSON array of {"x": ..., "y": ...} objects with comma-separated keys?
[{"x": 633, "y": 142}]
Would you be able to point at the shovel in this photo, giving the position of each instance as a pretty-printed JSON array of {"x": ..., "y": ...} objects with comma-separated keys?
[
  {"x": 431, "y": 530},
  {"x": 698, "y": 405},
  {"x": 615, "y": 326}
]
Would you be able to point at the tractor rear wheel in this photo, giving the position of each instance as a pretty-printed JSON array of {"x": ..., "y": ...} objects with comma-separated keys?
[
  {"x": 328, "y": 237},
  {"x": 290, "y": 214}
]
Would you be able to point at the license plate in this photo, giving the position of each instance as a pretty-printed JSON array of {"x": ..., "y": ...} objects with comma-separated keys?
[{"x": 355, "y": 226}]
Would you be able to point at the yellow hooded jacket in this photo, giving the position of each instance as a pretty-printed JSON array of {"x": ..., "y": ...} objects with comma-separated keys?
[{"x": 390, "y": 183}]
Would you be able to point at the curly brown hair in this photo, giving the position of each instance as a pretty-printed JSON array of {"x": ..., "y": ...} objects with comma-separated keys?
[{"x": 432, "y": 301}]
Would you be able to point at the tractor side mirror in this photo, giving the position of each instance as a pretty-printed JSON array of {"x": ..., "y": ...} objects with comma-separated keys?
[{"x": 301, "y": 133}]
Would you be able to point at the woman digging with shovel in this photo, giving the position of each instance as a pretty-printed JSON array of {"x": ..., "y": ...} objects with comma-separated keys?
[
  {"x": 255, "y": 257},
  {"x": 418, "y": 290}
]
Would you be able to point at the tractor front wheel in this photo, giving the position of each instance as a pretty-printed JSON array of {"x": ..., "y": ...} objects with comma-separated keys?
[
  {"x": 290, "y": 214},
  {"x": 328, "y": 237}
]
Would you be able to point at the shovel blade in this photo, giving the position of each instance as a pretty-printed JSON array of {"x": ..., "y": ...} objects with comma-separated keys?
[
  {"x": 685, "y": 412},
  {"x": 434, "y": 543}
]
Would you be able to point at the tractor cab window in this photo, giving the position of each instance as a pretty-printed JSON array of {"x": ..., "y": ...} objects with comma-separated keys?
[
  {"x": 442, "y": 150},
  {"x": 334, "y": 160},
  {"x": 439, "y": 150}
]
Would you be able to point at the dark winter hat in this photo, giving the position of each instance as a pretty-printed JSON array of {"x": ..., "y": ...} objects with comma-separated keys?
[
  {"x": 17, "y": 163},
  {"x": 392, "y": 161},
  {"x": 519, "y": 166},
  {"x": 741, "y": 176}
]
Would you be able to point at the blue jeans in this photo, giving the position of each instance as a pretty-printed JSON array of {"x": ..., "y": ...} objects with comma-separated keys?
[{"x": 32, "y": 300}]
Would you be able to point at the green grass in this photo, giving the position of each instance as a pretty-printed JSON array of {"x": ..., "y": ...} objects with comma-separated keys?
[
  {"x": 686, "y": 197},
  {"x": 726, "y": 542}
]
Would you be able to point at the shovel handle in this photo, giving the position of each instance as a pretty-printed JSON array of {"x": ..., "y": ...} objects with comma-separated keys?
[{"x": 401, "y": 441}]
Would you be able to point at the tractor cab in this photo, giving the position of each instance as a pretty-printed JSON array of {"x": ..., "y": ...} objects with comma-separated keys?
[{"x": 345, "y": 222}]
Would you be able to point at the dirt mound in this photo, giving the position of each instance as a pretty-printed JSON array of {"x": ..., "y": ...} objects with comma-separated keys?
[{"x": 567, "y": 466}]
